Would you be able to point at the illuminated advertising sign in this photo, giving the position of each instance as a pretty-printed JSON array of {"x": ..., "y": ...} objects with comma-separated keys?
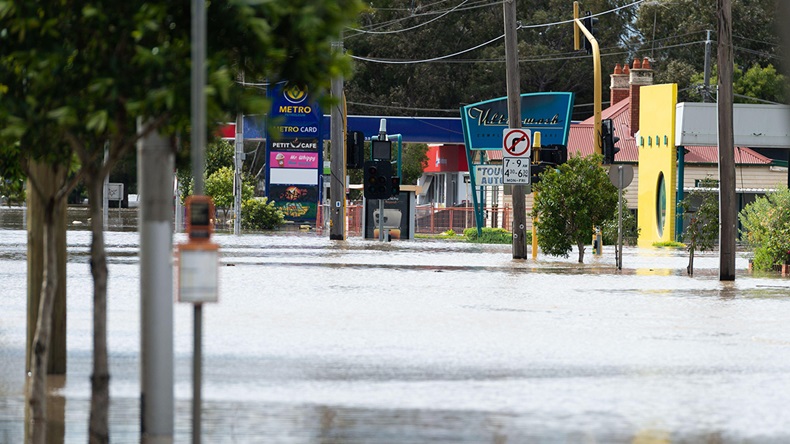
[
  {"x": 297, "y": 202},
  {"x": 294, "y": 155}
]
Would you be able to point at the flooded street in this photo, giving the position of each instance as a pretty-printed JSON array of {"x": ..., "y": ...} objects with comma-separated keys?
[{"x": 319, "y": 341}]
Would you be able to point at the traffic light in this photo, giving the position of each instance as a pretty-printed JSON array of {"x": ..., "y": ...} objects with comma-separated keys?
[
  {"x": 355, "y": 150},
  {"x": 394, "y": 186},
  {"x": 381, "y": 150},
  {"x": 555, "y": 154},
  {"x": 608, "y": 139},
  {"x": 536, "y": 169},
  {"x": 378, "y": 179},
  {"x": 589, "y": 22}
]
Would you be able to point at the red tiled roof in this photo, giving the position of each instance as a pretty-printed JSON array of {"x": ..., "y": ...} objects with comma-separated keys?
[{"x": 580, "y": 141}]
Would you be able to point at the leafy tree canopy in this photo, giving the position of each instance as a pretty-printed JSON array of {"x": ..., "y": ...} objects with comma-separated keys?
[
  {"x": 400, "y": 34},
  {"x": 569, "y": 202}
]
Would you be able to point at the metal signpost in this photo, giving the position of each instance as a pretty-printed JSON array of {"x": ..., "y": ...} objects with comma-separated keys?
[
  {"x": 198, "y": 280},
  {"x": 620, "y": 176}
]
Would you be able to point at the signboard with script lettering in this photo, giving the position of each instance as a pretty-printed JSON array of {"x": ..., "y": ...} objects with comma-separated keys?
[
  {"x": 483, "y": 124},
  {"x": 549, "y": 113}
]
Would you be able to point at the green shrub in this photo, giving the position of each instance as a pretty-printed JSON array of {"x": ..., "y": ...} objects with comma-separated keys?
[
  {"x": 489, "y": 236},
  {"x": 766, "y": 227},
  {"x": 669, "y": 244},
  {"x": 630, "y": 228},
  {"x": 259, "y": 213}
]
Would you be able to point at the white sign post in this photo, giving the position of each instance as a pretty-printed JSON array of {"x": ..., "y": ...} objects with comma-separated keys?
[{"x": 516, "y": 151}]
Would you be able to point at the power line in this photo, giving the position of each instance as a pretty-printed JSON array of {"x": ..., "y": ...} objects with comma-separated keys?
[
  {"x": 371, "y": 105},
  {"x": 403, "y": 62},
  {"x": 438, "y": 58},
  {"x": 361, "y": 31},
  {"x": 539, "y": 25},
  {"x": 557, "y": 57},
  {"x": 473, "y": 5}
]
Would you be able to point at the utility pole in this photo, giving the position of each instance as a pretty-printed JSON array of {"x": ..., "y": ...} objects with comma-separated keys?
[
  {"x": 155, "y": 176},
  {"x": 514, "y": 122},
  {"x": 727, "y": 212},
  {"x": 238, "y": 160},
  {"x": 337, "y": 165},
  {"x": 706, "y": 90}
]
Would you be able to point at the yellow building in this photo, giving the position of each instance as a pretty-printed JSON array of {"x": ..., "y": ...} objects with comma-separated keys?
[{"x": 657, "y": 164}]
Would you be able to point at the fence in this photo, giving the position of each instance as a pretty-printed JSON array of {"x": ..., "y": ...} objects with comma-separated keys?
[{"x": 431, "y": 220}]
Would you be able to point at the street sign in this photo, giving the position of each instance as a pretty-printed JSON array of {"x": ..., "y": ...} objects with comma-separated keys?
[
  {"x": 516, "y": 142},
  {"x": 114, "y": 191},
  {"x": 617, "y": 180},
  {"x": 488, "y": 175},
  {"x": 517, "y": 147},
  {"x": 515, "y": 171}
]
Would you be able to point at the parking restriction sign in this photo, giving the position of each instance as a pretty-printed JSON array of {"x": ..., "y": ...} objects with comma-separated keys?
[{"x": 517, "y": 148}]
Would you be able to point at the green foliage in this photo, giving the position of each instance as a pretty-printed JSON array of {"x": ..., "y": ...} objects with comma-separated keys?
[
  {"x": 669, "y": 244},
  {"x": 766, "y": 228},
  {"x": 414, "y": 159},
  {"x": 667, "y": 32},
  {"x": 12, "y": 191},
  {"x": 489, "y": 236},
  {"x": 569, "y": 202},
  {"x": 630, "y": 228},
  {"x": 219, "y": 154},
  {"x": 219, "y": 186},
  {"x": 443, "y": 86},
  {"x": 757, "y": 82},
  {"x": 701, "y": 208},
  {"x": 259, "y": 213}
]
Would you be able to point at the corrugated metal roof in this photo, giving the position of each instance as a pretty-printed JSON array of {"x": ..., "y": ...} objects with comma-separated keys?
[
  {"x": 580, "y": 141},
  {"x": 710, "y": 154}
]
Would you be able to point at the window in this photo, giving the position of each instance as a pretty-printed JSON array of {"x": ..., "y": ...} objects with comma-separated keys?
[{"x": 661, "y": 204}]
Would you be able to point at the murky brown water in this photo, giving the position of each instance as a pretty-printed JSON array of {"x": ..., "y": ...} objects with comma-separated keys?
[{"x": 315, "y": 341}]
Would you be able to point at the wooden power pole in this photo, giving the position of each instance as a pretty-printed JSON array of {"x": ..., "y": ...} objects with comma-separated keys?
[
  {"x": 514, "y": 121},
  {"x": 337, "y": 162},
  {"x": 727, "y": 210}
]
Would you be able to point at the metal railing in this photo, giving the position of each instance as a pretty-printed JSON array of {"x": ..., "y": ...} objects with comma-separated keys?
[{"x": 429, "y": 219}]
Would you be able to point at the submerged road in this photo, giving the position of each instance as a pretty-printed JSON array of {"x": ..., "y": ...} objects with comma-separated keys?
[{"x": 315, "y": 341}]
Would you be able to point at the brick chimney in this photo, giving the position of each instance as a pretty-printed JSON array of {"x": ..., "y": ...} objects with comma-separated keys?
[
  {"x": 618, "y": 87},
  {"x": 641, "y": 74}
]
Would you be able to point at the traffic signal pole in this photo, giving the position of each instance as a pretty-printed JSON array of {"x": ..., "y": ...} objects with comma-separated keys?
[
  {"x": 596, "y": 53},
  {"x": 536, "y": 157}
]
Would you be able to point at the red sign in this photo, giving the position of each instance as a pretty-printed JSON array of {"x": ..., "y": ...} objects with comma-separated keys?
[{"x": 516, "y": 142}]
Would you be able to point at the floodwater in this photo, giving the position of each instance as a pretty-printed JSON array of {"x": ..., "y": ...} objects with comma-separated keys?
[{"x": 319, "y": 341}]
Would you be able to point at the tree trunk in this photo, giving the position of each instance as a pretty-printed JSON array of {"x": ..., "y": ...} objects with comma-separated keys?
[
  {"x": 37, "y": 383},
  {"x": 581, "y": 252},
  {"x": 690, "y": 268},
  {"x": 47, "y": 179},
  {"x": 99, "y": 430}
]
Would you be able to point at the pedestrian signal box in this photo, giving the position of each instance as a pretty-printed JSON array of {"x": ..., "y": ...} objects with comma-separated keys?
[
  {"x": 197, "y": 259},
  {"x": 200, "y": 217}
]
